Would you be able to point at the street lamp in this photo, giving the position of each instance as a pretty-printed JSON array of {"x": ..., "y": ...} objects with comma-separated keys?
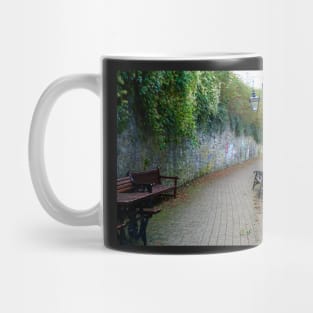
[{"x": 254, "y": 101}]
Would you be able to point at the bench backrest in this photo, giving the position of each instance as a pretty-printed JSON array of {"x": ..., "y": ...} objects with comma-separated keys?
[
  {"x": 258, "y": 175},
  {"x": 146, "y": 177},
  {"x": 124, "y": 184}
]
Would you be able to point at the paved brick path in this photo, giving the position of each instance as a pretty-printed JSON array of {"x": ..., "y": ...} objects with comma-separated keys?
[{"x": 219, "y": 209}]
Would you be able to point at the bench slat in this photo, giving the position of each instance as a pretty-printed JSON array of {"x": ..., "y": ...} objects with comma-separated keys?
[
  {"x": 125, "y": 183},
  {"x": 124, "y": 189},
  {"x": 122, "y": 178}
]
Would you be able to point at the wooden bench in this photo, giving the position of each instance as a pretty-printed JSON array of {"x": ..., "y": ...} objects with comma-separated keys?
[
  {"x": 128, "y": 193},
  {"x": 135, "y": 194},
  {"x": 152, "y": 182}
]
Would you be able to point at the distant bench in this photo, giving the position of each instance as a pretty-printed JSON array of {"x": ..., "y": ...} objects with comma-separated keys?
[
  {"x": 135, "y": 194},
  {"x": 258, "y": 180}
]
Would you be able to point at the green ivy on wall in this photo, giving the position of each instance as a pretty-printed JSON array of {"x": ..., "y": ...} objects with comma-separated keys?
[{"x": 173, "y": 105}]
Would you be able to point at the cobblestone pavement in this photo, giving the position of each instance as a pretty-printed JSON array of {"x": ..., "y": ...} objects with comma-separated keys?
[{"x": 218, "y": 209}]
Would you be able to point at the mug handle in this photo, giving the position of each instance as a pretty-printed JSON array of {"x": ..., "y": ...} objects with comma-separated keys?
[{"x": 45, "y": 194}]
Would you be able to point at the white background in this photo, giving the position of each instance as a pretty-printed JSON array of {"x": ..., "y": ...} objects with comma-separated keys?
[{"x": 50, "y": 267}]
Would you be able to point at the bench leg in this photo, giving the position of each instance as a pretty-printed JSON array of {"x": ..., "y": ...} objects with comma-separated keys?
[
  {"x": 260, "y": 191},
  {"x": 254, "y": 182},
  {"x": 132, "y": 227},
  {"x": 175, "y": 189},
  {"x": 143, "y": 229},
  {"x": 253, "y": 185},
  {"x": 133, "y": 232},
  {"x": 122, "y": 236}
]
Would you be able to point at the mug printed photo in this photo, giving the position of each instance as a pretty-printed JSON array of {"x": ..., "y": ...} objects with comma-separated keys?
[{"x": 189, "y": 158}]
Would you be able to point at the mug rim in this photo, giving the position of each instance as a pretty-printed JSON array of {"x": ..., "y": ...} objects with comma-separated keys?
[{"x": 205, "y": 56}]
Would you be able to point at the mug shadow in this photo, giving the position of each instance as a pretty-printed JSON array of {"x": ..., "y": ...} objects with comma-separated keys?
[{"x": 68, "y": 238}]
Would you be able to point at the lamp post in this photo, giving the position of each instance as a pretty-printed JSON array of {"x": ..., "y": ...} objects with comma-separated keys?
[{"x": 254, "y": 101}]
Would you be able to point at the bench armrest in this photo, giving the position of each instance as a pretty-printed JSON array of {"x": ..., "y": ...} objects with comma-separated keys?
[{"x": 175, "y": 178}]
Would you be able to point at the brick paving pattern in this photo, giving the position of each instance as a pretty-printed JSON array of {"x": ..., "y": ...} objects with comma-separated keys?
[{"x": 217, "y": 210}]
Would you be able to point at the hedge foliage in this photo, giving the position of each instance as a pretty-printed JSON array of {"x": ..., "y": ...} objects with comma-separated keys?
[{"x": 173, "y": 105}]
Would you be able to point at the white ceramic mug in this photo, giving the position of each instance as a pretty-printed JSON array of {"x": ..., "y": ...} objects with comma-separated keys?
[{"x": 182, "y": 149}]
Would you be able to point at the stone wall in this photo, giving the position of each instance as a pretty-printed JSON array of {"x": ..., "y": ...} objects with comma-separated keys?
[{"x": 137, "y": 151}]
